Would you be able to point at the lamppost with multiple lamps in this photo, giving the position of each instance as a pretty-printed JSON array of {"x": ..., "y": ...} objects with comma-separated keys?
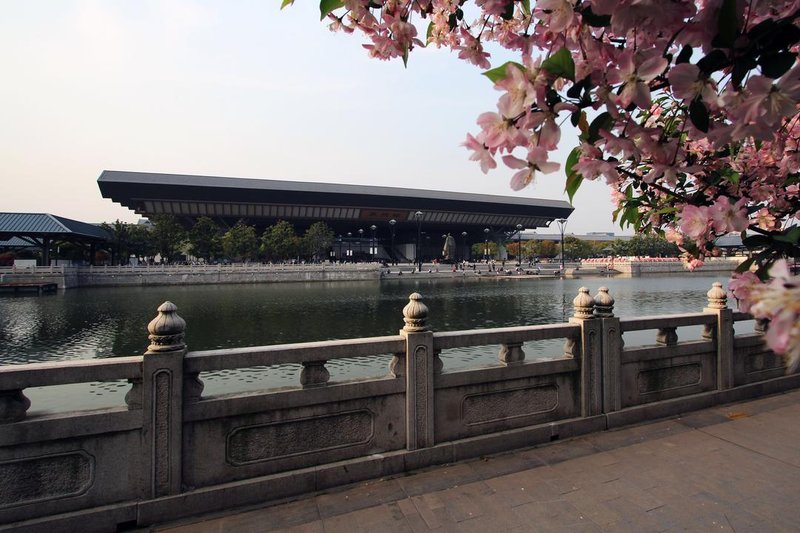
[
  {"x": 519, "y": 245},
  {"x": 391, "y": 251},
  {"x": 418, "y": 217},
  {"x": 562, "y": 225}
]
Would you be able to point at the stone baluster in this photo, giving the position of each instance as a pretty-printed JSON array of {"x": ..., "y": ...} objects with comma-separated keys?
[
  {"x": 419, "y": 372},
  {"x": 667, "y": 336},
  {"x": 511, "y": 353},
  {"x": 722, "y": 333},
  {"x": 314, "y": 374},
  {"x": 13, "y": 405},
  {"x": 588, "y": 347},
  {"x": 612, "y": 344},
  {"x": 162, "y": 401}
]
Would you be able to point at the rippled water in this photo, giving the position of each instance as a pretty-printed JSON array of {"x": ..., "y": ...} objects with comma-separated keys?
[{"x": 109, "y": 322}]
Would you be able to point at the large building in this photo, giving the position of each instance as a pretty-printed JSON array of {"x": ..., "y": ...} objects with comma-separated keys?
[{"x": 357, "y": 213}]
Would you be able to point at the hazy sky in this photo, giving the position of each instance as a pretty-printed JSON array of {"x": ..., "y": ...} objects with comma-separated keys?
[{"x": 232, "y": 88}]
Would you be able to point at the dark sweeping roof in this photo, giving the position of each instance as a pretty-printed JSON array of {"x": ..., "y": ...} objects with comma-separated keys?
[
  {"x": 47, "y": 225},
  {"x": 178, "y": 194}
]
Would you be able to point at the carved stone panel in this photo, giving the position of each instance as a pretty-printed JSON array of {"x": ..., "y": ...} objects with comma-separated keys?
[
  {"x": 266, "y": 442},
  {"x": 760, "y": 362},
  {"x": 47, "y": 477},
  {"x": 673, "y": 377},
  {"x": 503, "y": 405}
]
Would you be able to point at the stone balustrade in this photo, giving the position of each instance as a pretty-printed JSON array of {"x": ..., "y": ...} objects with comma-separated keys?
[{"x": 172, "y": 451}]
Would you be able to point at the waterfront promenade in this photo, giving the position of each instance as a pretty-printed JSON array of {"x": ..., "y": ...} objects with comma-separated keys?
[{"x": 734, "y": 467}]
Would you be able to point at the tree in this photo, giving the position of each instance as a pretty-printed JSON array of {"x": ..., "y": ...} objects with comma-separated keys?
[
  {"x": 279, "y": 241},
  {"x": 168, "y": 236},
  {"x": 575, "y": 248},
  {"x": 142, "y": 241},
  {"x": 687, "y": 109},
  {"x": 317, "y": 240},
  {"x": 240, "y": 243},
  {"x": 119, "y": 241},
  {"x": 205, "y": 239}
]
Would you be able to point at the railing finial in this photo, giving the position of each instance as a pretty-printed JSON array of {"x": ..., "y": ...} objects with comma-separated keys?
[
  {"x": 415, "y": 314},
  {"x": 603, "y": 304},
  {"x": 583, "y": 303},
  {"x": 717, "y": 297},
  {"x": 166, "y": 330}
]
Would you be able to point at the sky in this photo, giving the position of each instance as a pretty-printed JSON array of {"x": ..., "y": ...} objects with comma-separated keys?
[{"x": 235, "y": 88}]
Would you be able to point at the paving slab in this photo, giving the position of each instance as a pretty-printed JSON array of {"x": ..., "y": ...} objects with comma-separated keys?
[{"x": 729, "y": 468}]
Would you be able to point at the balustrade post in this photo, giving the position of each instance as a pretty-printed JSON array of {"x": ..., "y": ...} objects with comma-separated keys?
[
  {"x": 722, "y": 334},
  {"x": 588, "y": 347},
  {"x": 162, "y": 402},
  {"x": 420, "y": 367},
  {"x": 611, "y": 350}
]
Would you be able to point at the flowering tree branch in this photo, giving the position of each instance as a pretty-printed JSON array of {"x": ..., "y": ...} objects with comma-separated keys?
[{"x": 688, "y": 110}]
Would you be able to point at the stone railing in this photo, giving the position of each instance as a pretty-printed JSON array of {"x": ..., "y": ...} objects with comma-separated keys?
[{"x": 172, "y": 451}]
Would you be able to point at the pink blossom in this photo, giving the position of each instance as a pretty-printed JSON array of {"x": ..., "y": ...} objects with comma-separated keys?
[
  {"x": 560, "y": 13},
  {"x": 480, "y": 152},
  {"x": 728, "y": 217},
  {"x": 694, "y": 221}
]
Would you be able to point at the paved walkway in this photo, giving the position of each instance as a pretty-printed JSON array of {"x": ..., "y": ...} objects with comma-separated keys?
[{"x": 732, "y": 468}]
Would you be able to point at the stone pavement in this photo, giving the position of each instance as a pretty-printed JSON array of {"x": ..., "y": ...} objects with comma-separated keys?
[{"x": 730, "y": 468}]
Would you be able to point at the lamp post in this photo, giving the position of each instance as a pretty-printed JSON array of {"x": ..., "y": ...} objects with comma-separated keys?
[
  {"x": 486, "y": 245},
  {"x": 349, "y": 247},
  {"x": 519, "y": 245},
  {"x": 373, "y": 249},
  {"x": 562, "y": 225},
  {"x": 391, "y": 251},
  {"x": 533, "y": 247},
  {"x": 360, "y": 242},
  {"x": 466, "y": 250},
  {"x": 418, "y": 217}
]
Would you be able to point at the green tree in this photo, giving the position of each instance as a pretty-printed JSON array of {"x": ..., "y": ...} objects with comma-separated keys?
[
  {"x": 280, "y": 241},
  {"x": 205, "y": 239},
  {"x": 479, "y": 251},
  {"x": 141, "y": 241},
  {"x": 240, "y": 243},
  {"x": 118, "y": 244},
  {"x": 575, "y": 248},
  {"x": 169, "y": 236},
  {"x": 317, "y": 240}
]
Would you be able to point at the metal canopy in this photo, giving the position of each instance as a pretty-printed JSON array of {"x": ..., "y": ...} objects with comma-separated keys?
[
  {"x": 43, "y": 229},
  {"x": 341, "y": 206}
]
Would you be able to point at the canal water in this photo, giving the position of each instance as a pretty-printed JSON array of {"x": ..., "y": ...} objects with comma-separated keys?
[{"x": 109, "y": 322}]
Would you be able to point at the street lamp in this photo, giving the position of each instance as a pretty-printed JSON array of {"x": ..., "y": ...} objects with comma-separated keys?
[
  {"x": 418, "y": 217},
  {"x": 486, "y": 245},
  {"x": 391, "y": 252},
  {"x": 373, "y": 249},
  {"x": 562, "y": 225},
  {"x": 360, "y": 243},
  {"x": 349, "y": 246},
  {"x": 519, "y": 245},
  {"x": 533, "y": 247},
  {"x": 466, "y": 250}
]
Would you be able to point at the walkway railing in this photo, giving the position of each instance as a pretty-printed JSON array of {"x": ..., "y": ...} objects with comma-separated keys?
[{"x": 172, "y": 451}]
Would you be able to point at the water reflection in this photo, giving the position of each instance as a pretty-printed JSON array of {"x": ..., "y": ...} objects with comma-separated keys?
[{"x": 108, "y": 322}]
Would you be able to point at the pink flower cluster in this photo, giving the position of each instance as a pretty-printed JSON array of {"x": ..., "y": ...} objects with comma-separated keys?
[{"x": 688, "y": 109}]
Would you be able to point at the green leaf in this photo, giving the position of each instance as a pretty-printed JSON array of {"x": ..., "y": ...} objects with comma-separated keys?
[
  {"x": 429, "y": 33},
  {"x": 728, "y": 24},
  {"x": 596, "y": 21},
  {"x": 792, "y": 236},
  {"x": 733, "y": 177},
  {"x": 508, "y": 12},
  {"x": 744, "y": 266},
  {"x": 560, "y": 64},
  {"x": 756, "y": 241},
  {"x": 286, "y": 3},
  {"x": 603, "y": 121},
  {"x": 574, "y": 179},
  {"x": 775, "y": 65},
  {"x": 326, "y": 6},
  {"x": 526, "y": 6},
  {"x": 405, "y": 57},
  {"x": 499, "y": 73},
  {"x": 698, "y": 113}
]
